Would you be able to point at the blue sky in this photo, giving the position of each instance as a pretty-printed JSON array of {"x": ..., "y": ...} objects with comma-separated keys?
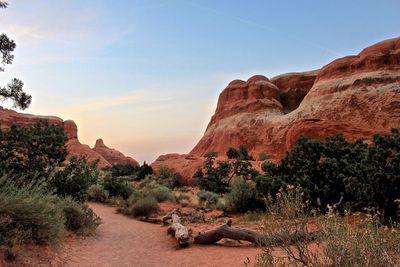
[{"x": 145, "y": 75}]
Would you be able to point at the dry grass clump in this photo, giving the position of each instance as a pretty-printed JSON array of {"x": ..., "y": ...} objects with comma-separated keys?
[{"x": 336, "y": 241}]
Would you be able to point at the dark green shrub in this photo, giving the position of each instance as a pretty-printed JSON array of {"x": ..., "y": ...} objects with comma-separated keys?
[
  {"x": 97, "y": 193},
  {"x": 232, "y": 153},
  {"x": 76, "y": 178},
  {"x": 79, "y": 218},
  {"x": 243, "y": 196},
  {"x": 216, "y": 177},
  {"x": 144, "y": 207},
  {"x": 122, "y": 170},
  {"x": 210, "y": 198},
  {"x": 161, "y": 193},
  {"x": 144, "y": 170},
  {"x": 177, "y": 180},
  {"x": 242, "y": 153},
  {"x": 117, "y": 187},
  {"x": 28, "y": 213}
]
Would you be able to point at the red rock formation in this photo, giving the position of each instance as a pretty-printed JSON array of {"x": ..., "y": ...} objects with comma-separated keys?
[
  {"x": 75, "y": 148},
  {"x": 356, "y": 96},
  {"x": 293, "y": 87},
  {"x": 184, "y": 164},
  {"x": 113, "y": 156}
]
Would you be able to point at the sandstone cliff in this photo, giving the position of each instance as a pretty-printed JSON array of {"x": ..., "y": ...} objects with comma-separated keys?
[
  {"x": 356, "y": 96},
  {"x": 113, "y": 156}
]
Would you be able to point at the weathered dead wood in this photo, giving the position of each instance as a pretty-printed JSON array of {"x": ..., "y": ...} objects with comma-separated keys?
[
  {"x": 168, "y": 216},
  {"x": 226, "y": 231},
  {"x": 151, "y": 220},
  {"x": 181, "y": 233}
]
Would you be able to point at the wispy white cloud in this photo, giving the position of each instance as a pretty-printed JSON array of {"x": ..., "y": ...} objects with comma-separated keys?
[
  {"x": 107, "y": 103},
  {"x": 53, "y": 33}
]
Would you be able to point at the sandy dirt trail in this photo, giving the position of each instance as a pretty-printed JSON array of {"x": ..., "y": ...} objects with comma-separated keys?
[{"x": 122, "y": 241}]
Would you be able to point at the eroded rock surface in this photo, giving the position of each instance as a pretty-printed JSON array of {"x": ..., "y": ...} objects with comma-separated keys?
[
  {"x": 356, "y": 96},
  {"x": 113, "y": 156}
]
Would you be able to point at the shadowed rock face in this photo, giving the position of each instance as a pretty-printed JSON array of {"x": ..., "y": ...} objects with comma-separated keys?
[
  {"x": 75, "y": 148},
  {"x": 113, "y": 156},
  {"x": 293, "y": 87},
  {"x": 356, "y": 96}
]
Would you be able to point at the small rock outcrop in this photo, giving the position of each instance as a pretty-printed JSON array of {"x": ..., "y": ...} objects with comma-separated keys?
[{"x": 113, "y": 156}]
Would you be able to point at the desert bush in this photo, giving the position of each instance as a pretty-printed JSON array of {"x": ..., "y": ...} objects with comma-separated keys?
[
  {"x": 29, "y": 213},
  {"x": 221, "y": 205},
  {"x": 144, "y": 207},
  {"x": 208, "y": 198},
  {"x": 117, "y": 187},
  {"x": 134, "y": 197},
  {"x": 362, "y": 176},
  {"x": 243, "y": 196},
  {"x": 116, "y": 201},
  {"x": 76, "y": 178},
  {"x": 161, "y": 193},
  {"x": 333, "y": 241},
  {"x": 252, "y": 216},
  {"x": 97, "y": 193},
  {"x": 339, "y": 244},
  {"x": 79, "y": 218},
  {"x": 169, "y": 178},
  {"x": 262, "y": 156},
  {"x": 184, "y": 199},
  {"x": 179, "y": 196}
]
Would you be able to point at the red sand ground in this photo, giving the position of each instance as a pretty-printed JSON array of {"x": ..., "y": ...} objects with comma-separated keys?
[{"x": 122, "y": 241}]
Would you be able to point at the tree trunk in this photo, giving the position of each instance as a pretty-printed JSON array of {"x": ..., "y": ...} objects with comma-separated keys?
[{"x": 226, "y": 231}]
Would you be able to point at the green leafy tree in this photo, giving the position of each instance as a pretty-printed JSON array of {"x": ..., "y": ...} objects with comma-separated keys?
[
  {"x": 14, "y": 90},
  {"x": 216, "y": 177},
  {"x": 32, "y": 151}
]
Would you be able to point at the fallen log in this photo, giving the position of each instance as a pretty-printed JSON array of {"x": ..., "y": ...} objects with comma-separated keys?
[
  {"x": 181, "y": 233},
  {"x": 151, "y": 220},
  {"x": 168, "y": 216},
  {"x": 226, "y": 231}
]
